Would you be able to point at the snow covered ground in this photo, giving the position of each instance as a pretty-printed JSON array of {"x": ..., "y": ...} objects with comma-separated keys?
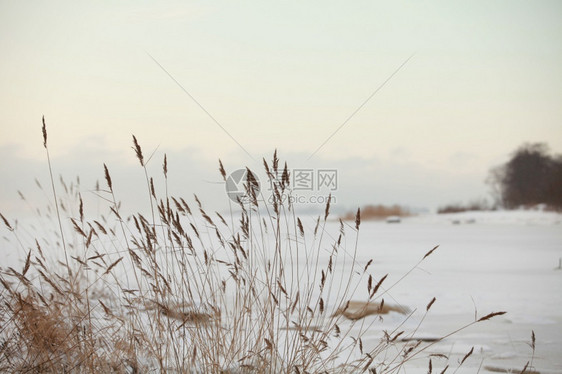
[{"x": 486, "y": 262}]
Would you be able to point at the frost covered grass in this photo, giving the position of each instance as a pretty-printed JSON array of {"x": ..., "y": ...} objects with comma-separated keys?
[{"x": 182, "y": 289}]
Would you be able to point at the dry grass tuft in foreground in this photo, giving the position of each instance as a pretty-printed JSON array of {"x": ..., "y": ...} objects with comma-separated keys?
[
  {"x": 355, "y": 310},
  {"x": 182, "y": 290}
]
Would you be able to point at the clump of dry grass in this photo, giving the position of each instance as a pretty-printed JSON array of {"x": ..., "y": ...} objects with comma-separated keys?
[
  {"x": 183, "y": 290},
  {"x": 355, "y": 310},
  {"x": 379, "y": 212}
]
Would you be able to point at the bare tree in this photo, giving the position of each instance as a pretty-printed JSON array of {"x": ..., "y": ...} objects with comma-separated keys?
[{"x": 532, "y": 176}]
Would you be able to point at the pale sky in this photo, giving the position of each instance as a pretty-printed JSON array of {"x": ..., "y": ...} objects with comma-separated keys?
[{"x": 485, "y": 77}]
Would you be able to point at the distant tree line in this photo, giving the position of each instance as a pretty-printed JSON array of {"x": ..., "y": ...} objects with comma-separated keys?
[
  {"x": 532, "y": 176},
  {"x": 474, "y": 205}
]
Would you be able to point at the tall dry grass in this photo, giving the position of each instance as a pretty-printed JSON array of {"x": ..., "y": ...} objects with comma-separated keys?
[{"x": 184, "y": 290}]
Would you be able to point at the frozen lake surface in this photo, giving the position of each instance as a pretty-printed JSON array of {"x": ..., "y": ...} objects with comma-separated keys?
[{"x": 486, "y": 262}]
